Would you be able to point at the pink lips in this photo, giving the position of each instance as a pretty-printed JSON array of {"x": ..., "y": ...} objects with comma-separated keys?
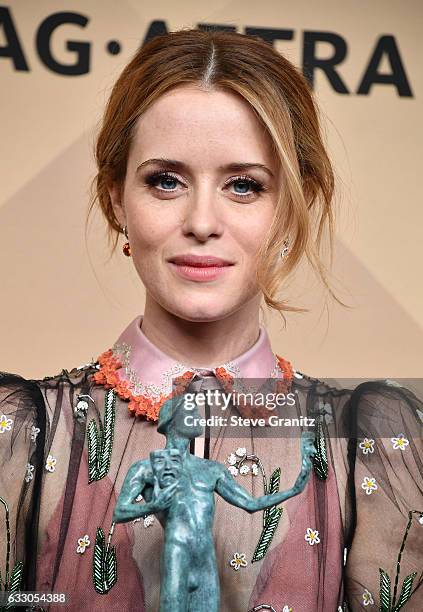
[
  {"x": 200, "y": 267},
  {"x": 199, "y": 260}
]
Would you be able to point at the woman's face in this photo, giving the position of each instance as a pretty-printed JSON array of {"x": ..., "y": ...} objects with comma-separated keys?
[{"x": 200, "y": 202}]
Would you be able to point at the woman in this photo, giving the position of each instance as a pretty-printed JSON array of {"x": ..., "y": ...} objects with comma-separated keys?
[{"x": 210, "y": 153}]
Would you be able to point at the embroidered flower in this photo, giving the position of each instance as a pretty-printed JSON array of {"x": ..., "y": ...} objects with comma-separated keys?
[
  {"x": 225, "y": 378},
  {"x": 233, "y": 470},
  {"x": 231, "y": 459},
  {"x": 238, "y": 560},
  {"x": 367, "y": 598},
  {"x": 369, "y": 485},
  {"x": 34, "y": 432},
  {"x": 148, "y": 520},
  {"x": 254, "y": 469},
  {"x": 286, "y": 368},
  {"x": 5, "y": 423},
  {"x": 244, "y": 469},
  {"x": 81, "y": 407},
  {"x": 286, "y": 609},
  {"x": 138, "y": 405},
  {"x": 29, "y": 472},
  {"x": 83, "y": 543},
  {"x": 312, "y": 536},
  {"x": 51, "y": 463},
  {"x": 367, "y": 446},
  {"x": 241, "y": 452},
  {"x": 401, "y": 442},
  {"x": 327, "y": 412}
]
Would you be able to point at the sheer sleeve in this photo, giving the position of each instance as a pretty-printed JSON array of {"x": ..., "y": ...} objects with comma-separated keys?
[
  {"x": 385, "y": 561},
  {"x": 22, "y": 435}
]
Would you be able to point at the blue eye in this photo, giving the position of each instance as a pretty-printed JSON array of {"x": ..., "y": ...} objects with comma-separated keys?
[
  {"x": 164, "y": 181},
  {"x": 162, "y": 178},
  {"x": 250, "y": 185}
]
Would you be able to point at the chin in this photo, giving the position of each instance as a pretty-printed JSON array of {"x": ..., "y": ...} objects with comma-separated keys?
[{"x": 202, "y": 313}]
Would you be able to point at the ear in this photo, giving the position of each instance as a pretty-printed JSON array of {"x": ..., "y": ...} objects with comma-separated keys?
[{"x": 115, "y": 194}]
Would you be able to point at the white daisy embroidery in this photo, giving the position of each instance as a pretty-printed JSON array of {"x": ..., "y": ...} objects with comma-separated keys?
[
  {"x": 51, "y": 463},
  {"x": 312, "y": 536},
  {"x": 231, "y": 459},
  {"x": 83, "y": 543},
  {"x": 241, "y": 451},
  {"x": 326, "y": 410},
  {"x": 81, "y": 407},
  {"x": 401, "y": 442},
  {"x": 367, "y": 446},
  {"x": 286, "y": 609},
  {"x": 233, "y": 470},
  {"x": 34, "y": 432},
  {"x": 148, "y": 520},
  {"x": 244, "y": 469},
  {"x": 238, "y": 560},
  {"x": 5, "y": 423},
  {"x": 29, "y": 472},
  {"x": 367, "y": 598},
  {"x": 369, "y": 485},
  {"x": 254, "y": 469}
]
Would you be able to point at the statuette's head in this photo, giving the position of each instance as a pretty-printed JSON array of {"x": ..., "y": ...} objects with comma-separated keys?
[{"x": 179, "y": 418}]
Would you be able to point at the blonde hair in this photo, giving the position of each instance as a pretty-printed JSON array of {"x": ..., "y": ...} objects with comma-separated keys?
[{"x": 283, "y": 102}]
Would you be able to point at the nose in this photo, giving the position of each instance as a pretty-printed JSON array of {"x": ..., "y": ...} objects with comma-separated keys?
[{"x": 203, "y": 213}]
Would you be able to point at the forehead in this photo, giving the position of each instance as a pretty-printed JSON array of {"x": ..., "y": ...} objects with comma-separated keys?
[
  {"x": 171, "y": 452},
  {"x": 201, "y": 125}
]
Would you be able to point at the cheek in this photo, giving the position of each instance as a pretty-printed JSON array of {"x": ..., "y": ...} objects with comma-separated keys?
[{"x": 151, "y": 231}]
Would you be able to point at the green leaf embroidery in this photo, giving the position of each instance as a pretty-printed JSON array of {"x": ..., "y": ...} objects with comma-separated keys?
[
  {"x": 104, "y": 563},
  {"x": 93, "y": 444},
  {"x": 320, "y": 459},
  {"x": 267, "y": 534},
  {"x": 100, "y": 441},
  {"x": 386, "y": 605},
  {"x": 405, "y": 594},
  {"x": 274, "y": 482},
  {"x": 271, "y": 515},
  {"x": 385, "y": 591},
  {"x": 15, "y": 582}
]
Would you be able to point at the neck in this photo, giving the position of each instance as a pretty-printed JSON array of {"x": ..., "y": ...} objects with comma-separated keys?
[
  {"x": 202, "y": 344},
  {"x": 177, "y": 442}
]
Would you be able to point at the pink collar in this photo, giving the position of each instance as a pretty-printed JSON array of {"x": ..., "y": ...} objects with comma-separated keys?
[{"x": 141, "y": 373}]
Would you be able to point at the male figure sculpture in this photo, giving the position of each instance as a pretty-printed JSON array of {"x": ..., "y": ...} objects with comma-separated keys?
[{"x": 179, "y": 488}]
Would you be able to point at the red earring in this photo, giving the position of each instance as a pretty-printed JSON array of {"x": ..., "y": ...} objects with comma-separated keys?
[{"x": 126, "y": 247}]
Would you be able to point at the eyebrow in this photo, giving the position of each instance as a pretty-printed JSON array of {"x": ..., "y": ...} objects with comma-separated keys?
[{"x": 178, "y": 165}]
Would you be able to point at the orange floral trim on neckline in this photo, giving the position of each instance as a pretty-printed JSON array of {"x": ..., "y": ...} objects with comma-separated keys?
[{"x": 142, "y": 405}]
